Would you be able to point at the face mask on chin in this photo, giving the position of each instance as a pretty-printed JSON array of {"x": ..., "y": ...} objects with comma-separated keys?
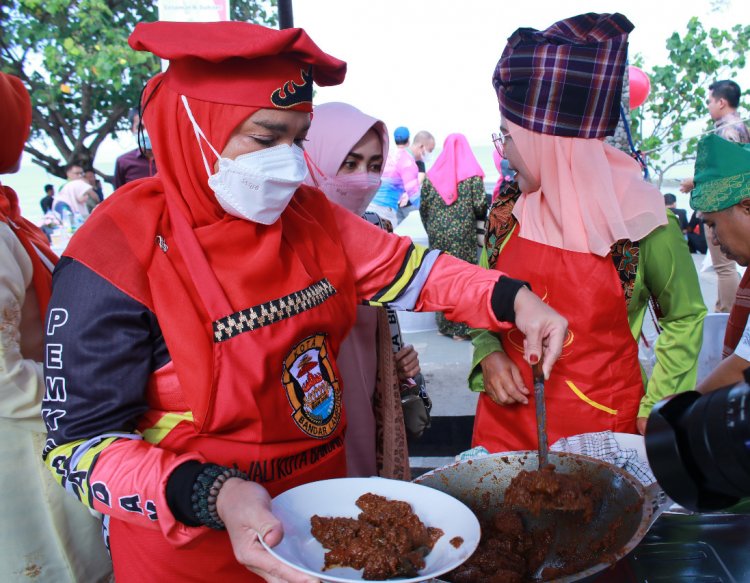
[{"x": 256, "y": 186}]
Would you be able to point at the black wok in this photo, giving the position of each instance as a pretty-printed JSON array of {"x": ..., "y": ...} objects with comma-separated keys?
[{"x": 626, "y": 512}]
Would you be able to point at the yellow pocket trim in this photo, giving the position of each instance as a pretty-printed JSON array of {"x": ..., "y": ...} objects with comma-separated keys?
[{"x": 584, "y": 398}]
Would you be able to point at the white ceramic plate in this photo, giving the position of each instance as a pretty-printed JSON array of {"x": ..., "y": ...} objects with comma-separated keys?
[{"x": 300, "y": 550}]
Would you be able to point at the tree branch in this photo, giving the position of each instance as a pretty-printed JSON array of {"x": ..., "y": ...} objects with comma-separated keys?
[
  {"x": 60, "y": 120},
  {"x": 50, "y": 164},
  {"x": 677, "y": 163},
  {"x": 53, "y": 132},
  {"x": 108, "y": 126},
  {"x": 86, "y": 110}
]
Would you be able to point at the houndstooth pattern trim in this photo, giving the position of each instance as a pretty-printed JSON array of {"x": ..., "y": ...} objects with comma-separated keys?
[{"x": 273, "y": 311}]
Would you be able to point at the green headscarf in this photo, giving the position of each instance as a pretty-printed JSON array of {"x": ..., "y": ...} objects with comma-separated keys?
[{"x": 722, "y": 174}]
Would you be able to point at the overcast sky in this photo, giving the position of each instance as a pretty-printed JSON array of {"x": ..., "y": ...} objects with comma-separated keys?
[{"x": 427, "y": 64}]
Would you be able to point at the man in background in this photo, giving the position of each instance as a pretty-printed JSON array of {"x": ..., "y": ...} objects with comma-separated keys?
[
  {"x": 76, "y": 194},
  {"x": 693, "y": 228},
  {"x": 421, "y": 147},
  {"x": 49, "y": 196},
  {"x": 722, "y": 107},
  {"x": 90, "y": 176},
  {"x": 670, "y": 201},
  {"x": 723, "y": 101},
  {"x": 139, "y": 162},
  {"x": 400, "y": 177},
  {"x": 696, "y": 234}
]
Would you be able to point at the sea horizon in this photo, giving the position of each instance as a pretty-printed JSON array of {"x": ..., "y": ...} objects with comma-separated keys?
[{"x": 29, "y": 181}]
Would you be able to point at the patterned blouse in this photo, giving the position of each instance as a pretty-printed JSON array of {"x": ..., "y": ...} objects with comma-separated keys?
[{"x": 454, "y": 228}]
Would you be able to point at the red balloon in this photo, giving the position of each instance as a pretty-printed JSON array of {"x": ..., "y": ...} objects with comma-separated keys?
[{"x": 640, "y": 86}]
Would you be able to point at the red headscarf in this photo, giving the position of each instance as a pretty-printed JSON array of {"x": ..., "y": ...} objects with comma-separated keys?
[
  {"x": 15, "y": 124},
  {"x": 454, "y": 164},
  {"x": 126, "y": 240}
]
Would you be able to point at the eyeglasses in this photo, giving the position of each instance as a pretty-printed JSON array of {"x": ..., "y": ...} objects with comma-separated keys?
[{"x": 499, "y": 141}]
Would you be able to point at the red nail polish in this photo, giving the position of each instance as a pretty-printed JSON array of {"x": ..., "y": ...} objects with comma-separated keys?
[{"x": 533, "y": 359}]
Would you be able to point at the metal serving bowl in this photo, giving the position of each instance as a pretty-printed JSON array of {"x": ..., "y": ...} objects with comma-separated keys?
[{"x": 626, "y": 511}]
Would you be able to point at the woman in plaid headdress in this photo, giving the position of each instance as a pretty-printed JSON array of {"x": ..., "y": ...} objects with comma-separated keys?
[{"x": 591, "y": 237}]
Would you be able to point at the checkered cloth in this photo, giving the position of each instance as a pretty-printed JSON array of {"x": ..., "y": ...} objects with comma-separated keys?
[
  {"x": 601, "y": 445},
  {"x": 566, "y": 80}
]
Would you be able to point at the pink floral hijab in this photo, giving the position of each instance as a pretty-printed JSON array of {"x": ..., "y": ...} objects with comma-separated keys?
[{"x": 455, "y": 163}]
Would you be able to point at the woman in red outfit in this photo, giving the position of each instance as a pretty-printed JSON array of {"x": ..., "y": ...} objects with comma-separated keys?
[{"x": 197, "y": 377}]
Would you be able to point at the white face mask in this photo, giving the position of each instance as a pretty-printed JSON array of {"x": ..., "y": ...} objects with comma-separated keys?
[
  {"x": 256, "y": 186},
  {"x": 352, "y": 191}
]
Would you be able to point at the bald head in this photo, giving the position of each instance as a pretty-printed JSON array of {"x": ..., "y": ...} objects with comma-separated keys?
[
  {"x": 424, "y": 137},
  {"x": 423, "y": 143}
]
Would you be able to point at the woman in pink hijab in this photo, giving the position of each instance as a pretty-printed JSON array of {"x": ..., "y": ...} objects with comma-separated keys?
[
  {"x": 453, "y": 200},
  {"x": 590, "y": 236},
  {"x": 345, "y": 150}
]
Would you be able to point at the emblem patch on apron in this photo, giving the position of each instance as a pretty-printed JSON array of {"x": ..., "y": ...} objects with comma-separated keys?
[{"x": 312, "y": 388}]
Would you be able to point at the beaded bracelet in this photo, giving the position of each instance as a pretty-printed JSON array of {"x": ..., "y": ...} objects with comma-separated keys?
[{"x": 206, "y": 490}]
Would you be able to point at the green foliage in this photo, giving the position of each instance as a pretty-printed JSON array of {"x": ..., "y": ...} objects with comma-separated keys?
[
  {"x": 260, "y": 11},
  {"x": 74, "y": 58},
  {"x": 679, "y": 91}
]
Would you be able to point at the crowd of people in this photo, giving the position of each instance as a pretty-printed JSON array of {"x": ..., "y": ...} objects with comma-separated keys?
[{"x": 240, "y": 338}]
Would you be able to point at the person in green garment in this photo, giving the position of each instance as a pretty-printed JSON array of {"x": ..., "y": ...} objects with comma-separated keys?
[
  {"x": 722, "y": 194},
  {"x": 591, "y": 237},
  {"x": 452, "y": 200}
]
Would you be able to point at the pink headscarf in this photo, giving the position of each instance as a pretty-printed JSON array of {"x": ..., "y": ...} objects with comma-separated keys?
[
  {"x": 335, "y": 128},
  {"x": 455, "y": 163},
  {"x": 592, "y": 194}
]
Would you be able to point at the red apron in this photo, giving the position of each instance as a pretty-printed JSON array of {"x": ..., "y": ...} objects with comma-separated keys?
[
  {"x": 596, "y": 385},
  {"x": 276, "y": 412}
]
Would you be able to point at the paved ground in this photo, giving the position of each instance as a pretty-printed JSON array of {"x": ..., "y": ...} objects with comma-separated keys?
[{"x": 445, "y": 364}]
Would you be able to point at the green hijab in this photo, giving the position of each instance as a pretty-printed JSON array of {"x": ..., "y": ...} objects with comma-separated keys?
[{"x": 722, "y": 174}]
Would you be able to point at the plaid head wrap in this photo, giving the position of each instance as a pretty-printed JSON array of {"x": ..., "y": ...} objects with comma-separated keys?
[
  {"x": 722, "y": 174},
  {"x": 565, "y": 80}
]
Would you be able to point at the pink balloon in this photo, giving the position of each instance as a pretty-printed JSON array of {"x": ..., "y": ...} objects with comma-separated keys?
[{"x": 640, "y": 86}]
